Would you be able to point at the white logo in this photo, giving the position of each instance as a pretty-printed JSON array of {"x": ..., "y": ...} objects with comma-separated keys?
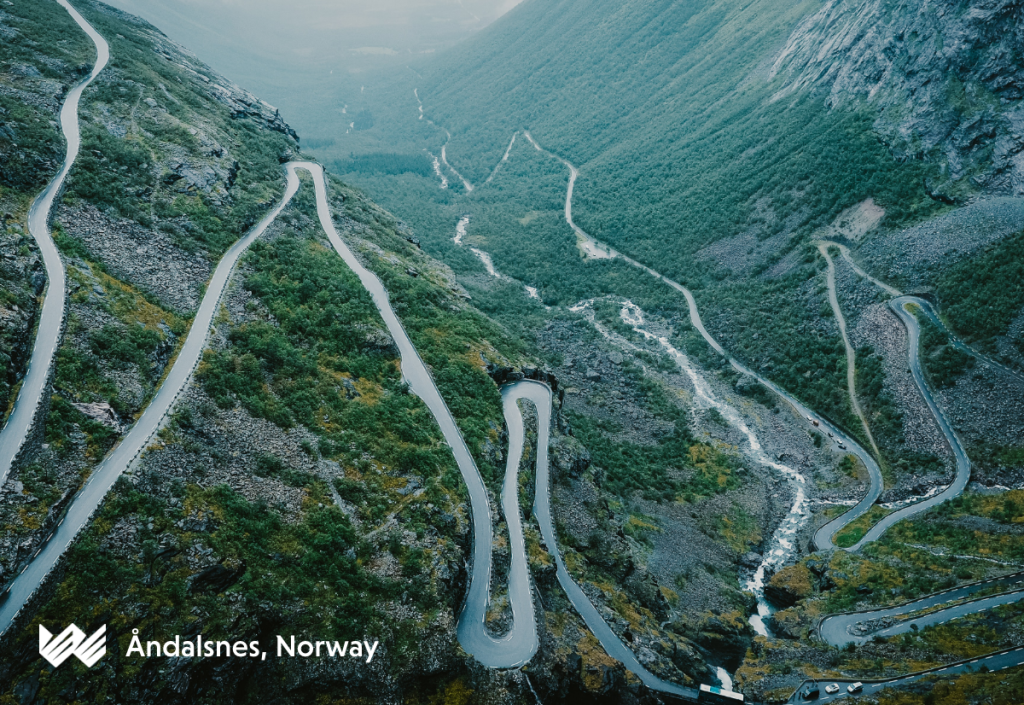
[{"x": 72, "y": 641}]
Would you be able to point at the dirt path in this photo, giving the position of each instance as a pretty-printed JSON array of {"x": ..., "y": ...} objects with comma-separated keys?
[{"x": 851, "y": 354}]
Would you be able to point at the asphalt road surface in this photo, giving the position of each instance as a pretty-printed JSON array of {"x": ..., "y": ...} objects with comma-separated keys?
[
  {"x": 51, "y": 318},
  {"x": 835, "y": 630}
]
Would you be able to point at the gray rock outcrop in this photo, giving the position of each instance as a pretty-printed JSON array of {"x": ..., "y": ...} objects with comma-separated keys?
[{"x": 942, "y": 77}]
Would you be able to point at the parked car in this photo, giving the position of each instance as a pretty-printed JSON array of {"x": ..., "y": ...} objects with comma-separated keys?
[
  {"x": 855, "y": 688},
  {"x": 832, "y": 689}
]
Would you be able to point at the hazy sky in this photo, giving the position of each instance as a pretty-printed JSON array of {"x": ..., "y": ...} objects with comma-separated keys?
[
  {"x": 310, "y": 57},
  {"x": 323, "y": 31}
]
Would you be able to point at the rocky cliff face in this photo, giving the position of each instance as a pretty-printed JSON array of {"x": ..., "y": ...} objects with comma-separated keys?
[{"x": 946, "y": 79}]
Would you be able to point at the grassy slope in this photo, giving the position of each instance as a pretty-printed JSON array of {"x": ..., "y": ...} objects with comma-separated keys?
[
  {"x": 679, "y": 145},
  {"x": 124, "y": 177},
  {"x": 319, "y": 338},
  {"x": 304, "y": 360},
  {"x": 307, "y": 570},
  {"x": 31, "y": 150},
  {"x": 931, "y": 552},
  {"x": 983, "y": 294}
]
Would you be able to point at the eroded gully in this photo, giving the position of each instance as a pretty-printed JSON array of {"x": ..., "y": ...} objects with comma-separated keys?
[
  {"x": 851, "y": 354},
  {"x": 782, "y": 540},
  {"x": 823, "y": 537},
  {"x": 484, "y": 257}
]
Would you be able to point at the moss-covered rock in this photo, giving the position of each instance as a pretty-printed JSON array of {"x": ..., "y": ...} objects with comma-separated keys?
[{"x": 790, "y": 585}]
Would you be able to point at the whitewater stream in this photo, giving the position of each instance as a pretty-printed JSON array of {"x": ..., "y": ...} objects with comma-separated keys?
[
  {"x": 518, "y": 645},
  {"x": 437, "y": 170},
  {"x": 783, "y": 541},
  {"x": 594, "y": 249},
  {"x": 485, "y": 258},
  {"x": 444, "y": 158}
]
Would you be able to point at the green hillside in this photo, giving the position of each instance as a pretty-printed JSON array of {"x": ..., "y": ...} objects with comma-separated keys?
[
  {"x": 680, "y": 144},
  {"x": 297, "y": 482},
  {"x": 298, "y": 486}
]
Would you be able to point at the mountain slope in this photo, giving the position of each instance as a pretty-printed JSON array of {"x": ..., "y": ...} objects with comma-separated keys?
[
  {"x": 32, "y": 86},
  {"x": 943, "y": 78},
  {"x": 297, "y": 485},
  {"x": 758, "y": 130},
  {"x": 685, "y": 161}
]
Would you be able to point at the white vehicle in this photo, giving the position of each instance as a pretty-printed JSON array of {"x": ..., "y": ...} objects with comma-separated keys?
[
  {"x": 832, "y": 689},
  {"x": 855, "y": 688}
]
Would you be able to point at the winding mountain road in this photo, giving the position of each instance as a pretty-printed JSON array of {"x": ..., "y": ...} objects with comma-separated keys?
[
  {"x": 835, "y": 629},
  {"x": 899, "y": 306},
  {"x": 509, "y": 651},
  {"x": 593, "y": 248},
  {"x": 845, "y": 252},
  {"x": 823, "y": 536},
  {"x": 89, "y": 497},
  {"x": 540, "y": 396},
  {"x": 512, "y": 650},
  {"x": 851, "y": 354},
  {"x": 963, "y": 463},
  {"x": 521, "y": 642},
  {"x": 933, "y": 316},
  {"x": 929, "y": 311},
  {"x": 1007, "y": 658},
  {"x": 51, "y": 318}
]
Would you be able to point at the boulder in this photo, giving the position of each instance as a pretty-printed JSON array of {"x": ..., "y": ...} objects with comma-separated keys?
[
  {"x": 102, "y": 412},
  {"x": 750, "y": 560},
  {"x": 569, "y": 456}
]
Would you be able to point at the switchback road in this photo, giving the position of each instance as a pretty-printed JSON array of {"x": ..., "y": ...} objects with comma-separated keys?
[{"x": 51, "y": 318}]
